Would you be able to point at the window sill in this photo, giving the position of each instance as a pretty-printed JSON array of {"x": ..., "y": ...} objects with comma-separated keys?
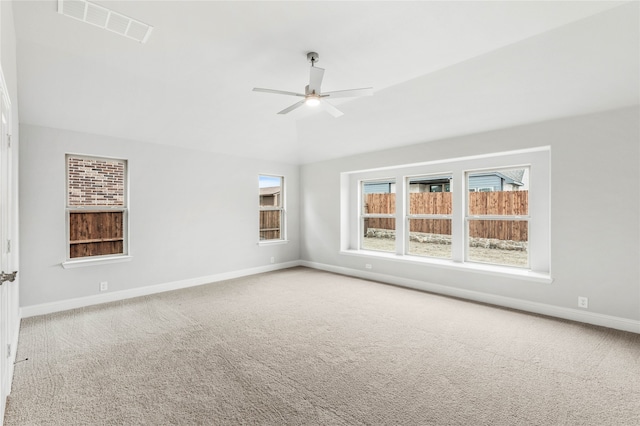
[
  {"x": 272, "y": 242},
  {"x": 501, "y": 271},
  {"x": 102, "y": 260}
]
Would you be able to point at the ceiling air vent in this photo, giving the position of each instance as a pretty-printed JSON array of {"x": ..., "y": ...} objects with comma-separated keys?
[{"x": 102, "y": 17}]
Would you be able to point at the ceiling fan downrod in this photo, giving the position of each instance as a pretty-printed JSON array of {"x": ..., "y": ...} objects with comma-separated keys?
[{"x": 313, "y": 57}]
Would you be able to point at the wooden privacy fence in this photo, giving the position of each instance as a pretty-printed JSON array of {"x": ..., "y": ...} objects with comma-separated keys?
[
  {"x": 269, "y": 224},
  {"x": 95, "y": 233},
  {"x": 505, "y": 230},
  {"x": 429, "y": 202},
  {"x": 431, "y": 226},
  {"x": 514, "y": 203},
  {"x": 498, "y": 203}
]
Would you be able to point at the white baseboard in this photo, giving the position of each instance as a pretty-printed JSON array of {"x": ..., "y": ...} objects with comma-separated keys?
[
  {"x": 507, "y": 302},
  {"x": 65, "y": 305}
]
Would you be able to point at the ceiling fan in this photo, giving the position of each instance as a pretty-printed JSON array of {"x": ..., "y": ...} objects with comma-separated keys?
[{"x": 313, "y": 96}]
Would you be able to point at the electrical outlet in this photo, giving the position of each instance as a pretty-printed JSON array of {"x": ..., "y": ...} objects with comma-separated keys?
[
  {"x": 583, "y": 302},
  {"x": 273, "y": 259},
  {"x": 368, "y": 266},
  {"x": 104, "y": 286}
]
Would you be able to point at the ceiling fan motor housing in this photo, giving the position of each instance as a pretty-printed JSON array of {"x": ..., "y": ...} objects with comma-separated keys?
[{"x": 313, "y": 57}]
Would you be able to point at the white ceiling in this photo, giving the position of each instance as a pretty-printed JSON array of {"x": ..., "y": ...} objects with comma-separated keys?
[{"x": 438, "y": 69}]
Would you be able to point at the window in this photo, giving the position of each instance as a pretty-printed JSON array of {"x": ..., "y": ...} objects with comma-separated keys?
[
  {"x": 377, "y": 219},
  {"x": 96, "y": 206},
  {"x": 488, "y": 212},
  {"x": 272, "y": 212},
  {"x": 497, "y": 222},
  {"x": 429, "y": 217}
]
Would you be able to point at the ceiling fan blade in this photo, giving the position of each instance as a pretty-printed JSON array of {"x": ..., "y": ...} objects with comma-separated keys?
[
  {"x": 315, "y": 79},
  {"x": 331, "y": 109},
  {"x": 351, "y": 93},
  {"x": 292, "y": 107},
  {"x": 277, "y": 92}
]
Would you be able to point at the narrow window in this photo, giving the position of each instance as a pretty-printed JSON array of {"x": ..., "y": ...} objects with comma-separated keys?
[
  {"x": 429, "y": 216},
  {"x": 498, "y": 217},
  {"x": 272, "y": 210},
  {"x": 377, "y": 217},
  {"x": 96, "y": 206}
]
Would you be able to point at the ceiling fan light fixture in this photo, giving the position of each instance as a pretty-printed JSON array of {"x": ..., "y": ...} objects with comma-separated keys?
[{"x": 312, "y": 100}]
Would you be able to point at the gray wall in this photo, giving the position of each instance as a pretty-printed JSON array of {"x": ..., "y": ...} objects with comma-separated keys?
[
  {"x": 595, "y": 225},
  {"x": 192, "y": 214}
]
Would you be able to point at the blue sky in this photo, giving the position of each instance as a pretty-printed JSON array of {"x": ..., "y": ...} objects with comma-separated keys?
[{"x": 266, "y": 181}]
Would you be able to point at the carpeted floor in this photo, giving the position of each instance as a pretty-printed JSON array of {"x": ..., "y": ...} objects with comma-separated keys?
[{"x": 305, "y": 347}]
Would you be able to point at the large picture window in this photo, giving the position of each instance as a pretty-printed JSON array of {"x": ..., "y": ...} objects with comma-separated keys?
[
  {"x": 488, "y": 212},
  {"x": 272, "y": 211},
  {"x": 96, "y": 206}
]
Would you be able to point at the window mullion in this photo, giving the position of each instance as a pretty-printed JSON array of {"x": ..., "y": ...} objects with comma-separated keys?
[
  {"x": 429, "y": 216},
  {"x": 497, "y": 217},
  {"x": 458, "y": 211},
  {"x": 401, "y": 210}
]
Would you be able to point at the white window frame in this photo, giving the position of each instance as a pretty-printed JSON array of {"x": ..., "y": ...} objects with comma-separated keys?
[
  {"x": 538, "y": 161},
  {"x": 364, "y": 216},
  {"x": 468, "y": 217},
  {"x": 98, "y": 259},
  {"x": 409, "y": 216},
  {"x": 281, "y": 208}
]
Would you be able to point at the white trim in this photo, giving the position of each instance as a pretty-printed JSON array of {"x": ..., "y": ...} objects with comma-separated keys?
[
  {"x": 507, "y": 302},
  {"x": 80, "y": 302},
  {"x": 272, "y": 242},
  {"x": 451, "y": 160},
  {"x": 483, "y": 268},
  {"x": 92, "y": 261}
]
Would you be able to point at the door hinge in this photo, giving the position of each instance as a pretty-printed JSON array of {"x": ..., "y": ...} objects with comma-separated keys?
[
  {"x": 8, "y": 141},
  {"x": 8, "y": 246},
  {"x": 8, "y": 350}
]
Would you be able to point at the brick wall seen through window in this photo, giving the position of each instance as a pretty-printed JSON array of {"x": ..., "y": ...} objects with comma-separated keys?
[
  {"x": 96, "y": 206},
  {"x": 95, "y": 182}
]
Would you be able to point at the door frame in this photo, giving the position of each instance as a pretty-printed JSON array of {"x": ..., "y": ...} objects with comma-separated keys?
[{"x": 9, "y": 291}]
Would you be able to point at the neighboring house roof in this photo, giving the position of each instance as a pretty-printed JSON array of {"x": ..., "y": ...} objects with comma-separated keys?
[
  {"x": 430, "y": 179},
  {"x": 513, "y": 177},
  {"x": 270, "y": 190},
  {"x": 510, "y": 176}
]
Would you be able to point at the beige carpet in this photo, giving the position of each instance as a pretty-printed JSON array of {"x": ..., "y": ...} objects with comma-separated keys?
[{"x": 305, "y": 347}]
